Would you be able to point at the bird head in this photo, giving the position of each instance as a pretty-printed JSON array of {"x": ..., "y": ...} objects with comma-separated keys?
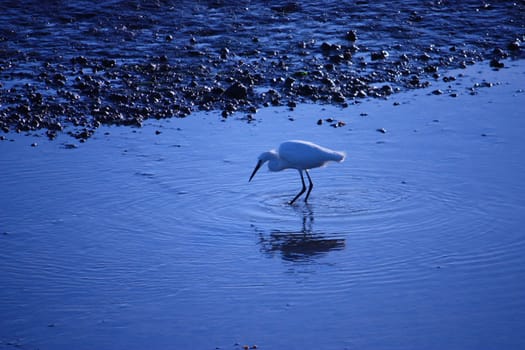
[{"x": 263, "y": 158}]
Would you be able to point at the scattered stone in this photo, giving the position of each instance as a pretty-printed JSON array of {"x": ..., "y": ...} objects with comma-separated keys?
[
  {"x": 380, "y": 55},
  {"x": 237, "y": 91},
  {"x": 514, "y": 46},
  {"x": 108, "y": 63},
  {"x": 437, "y": 92},
  {"x": 164, "y": 75},
  {"x": 289, "y": 82},
  {"x": 225, "y": 52},
  {"x": 387, "y": 90},
  {"x": 431, "y": 69},
  {"x": 351, "y": 35},
  {"x": 425, "y": 57},
  {"x": 320, "y": 122},
  {"x": 338, "y": 97},
  {"x": 496, "y": 63},
  {"x": 381, "y": 130},
  {"x": 34, "y": 144}
]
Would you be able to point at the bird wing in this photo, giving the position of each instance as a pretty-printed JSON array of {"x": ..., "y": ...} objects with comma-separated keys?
[{"x": 304, "y": 155}]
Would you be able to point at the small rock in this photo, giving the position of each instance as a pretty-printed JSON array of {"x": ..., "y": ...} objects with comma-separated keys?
[
  {"x": 380, "y": 55},
  {"x": 34, "y": 144},
  {"x": 237, "y": 91},
  {"x": 351, "y": 35},
  {"x": 338, "y": 97},
  {"x": 498, "y": 52},
  {"x": 437, "y": 92},
  {"x": 425, "y": 57},
  {"x": 225, "y": 52},
  {"x": 109, "y": 63},
  {"x": 496, "y": 63},
  {"x": 158, "y": 132},
  {"x": 381, "y": 130},
  {"x": 289, "y": 82},
  {"x": 320, "y": 122},
  {"x": 326, "y": 46},
  {"x": 431, "y": 69},
  {"x": 387, "y": 89},
  {"x": 514, "y": 46}
]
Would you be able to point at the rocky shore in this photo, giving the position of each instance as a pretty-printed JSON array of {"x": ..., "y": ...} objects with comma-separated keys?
[{"x": 73, "y": 67}]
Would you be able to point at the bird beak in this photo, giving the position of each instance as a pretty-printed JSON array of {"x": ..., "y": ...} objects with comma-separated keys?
[{"x": 259, "y": 163}]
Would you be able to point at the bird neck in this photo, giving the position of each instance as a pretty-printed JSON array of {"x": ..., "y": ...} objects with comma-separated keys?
[{"x": 275, "y": 163}]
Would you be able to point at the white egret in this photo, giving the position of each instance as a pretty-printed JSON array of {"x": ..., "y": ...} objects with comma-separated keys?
[{"x": 300, "y": 155}]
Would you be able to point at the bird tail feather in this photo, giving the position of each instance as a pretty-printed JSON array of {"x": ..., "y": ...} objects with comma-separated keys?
[{"x": 338, "y": 156}]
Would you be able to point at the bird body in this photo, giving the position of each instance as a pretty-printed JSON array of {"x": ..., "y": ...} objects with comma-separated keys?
[
  {"x": 299, "y": 155},
  {"x": 307, "y": 155}
]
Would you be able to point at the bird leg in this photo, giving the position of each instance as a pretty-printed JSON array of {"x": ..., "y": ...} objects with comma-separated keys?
[
  {"x": 310, "y": 187},
  {"x": 304, "y": 186}
]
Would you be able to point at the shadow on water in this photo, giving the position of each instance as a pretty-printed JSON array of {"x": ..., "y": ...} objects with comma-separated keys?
[{"x": 302, "y": 245}]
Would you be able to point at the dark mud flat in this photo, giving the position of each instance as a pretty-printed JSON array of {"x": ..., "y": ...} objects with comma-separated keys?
[{"x": 73, "y": 66}]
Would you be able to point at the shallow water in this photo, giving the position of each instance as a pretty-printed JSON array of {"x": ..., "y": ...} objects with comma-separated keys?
[{"x": 415, "y": 241}]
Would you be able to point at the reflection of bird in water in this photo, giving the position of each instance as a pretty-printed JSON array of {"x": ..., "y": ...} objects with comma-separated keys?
[
  {"x": 301, "y": 245},
  {"x": 300, "y": 155}
]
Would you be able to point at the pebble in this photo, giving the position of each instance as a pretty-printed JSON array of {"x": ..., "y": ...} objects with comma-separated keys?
[
  {"x": 496, "y": 63},
  {"x": 237, "y": 91},
  {"x": 380, "y": 55},
  {"x": 351, "y": 35},
  {"x": 514, "y": 46}
]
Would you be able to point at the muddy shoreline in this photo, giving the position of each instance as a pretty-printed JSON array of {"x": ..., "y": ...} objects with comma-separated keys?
[{"x": 73, "y": 67}]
